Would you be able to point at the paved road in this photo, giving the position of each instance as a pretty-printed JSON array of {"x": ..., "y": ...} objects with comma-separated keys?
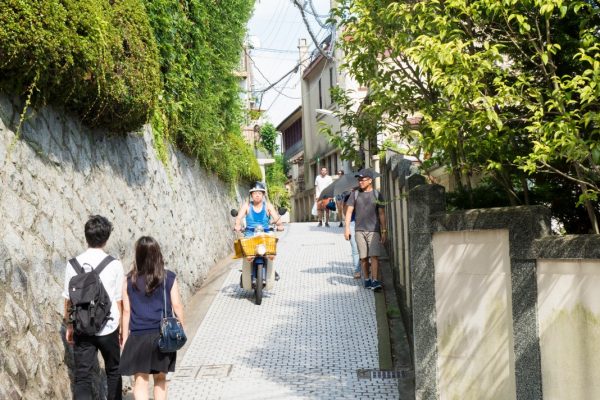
[{"x": 310, "y": 338}]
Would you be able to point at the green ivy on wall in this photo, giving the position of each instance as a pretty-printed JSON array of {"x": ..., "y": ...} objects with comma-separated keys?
[
  {"x": 95, "y": 59},
  {"x": 119, "y": 64}
]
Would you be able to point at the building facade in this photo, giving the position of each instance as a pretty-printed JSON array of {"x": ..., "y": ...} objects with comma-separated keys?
[
  {"x": 320, "y": 73},
  {"x": 292, "y": 148}
]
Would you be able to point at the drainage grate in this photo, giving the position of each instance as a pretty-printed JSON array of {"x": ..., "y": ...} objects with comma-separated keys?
[{"x": 382, "y": 374}]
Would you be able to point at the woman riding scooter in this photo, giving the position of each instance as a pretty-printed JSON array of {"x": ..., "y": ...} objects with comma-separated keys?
[{"x": 258, "y": 213}]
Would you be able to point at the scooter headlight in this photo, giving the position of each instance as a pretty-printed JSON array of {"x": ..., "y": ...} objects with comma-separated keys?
[{"x": 261, "y": 249}]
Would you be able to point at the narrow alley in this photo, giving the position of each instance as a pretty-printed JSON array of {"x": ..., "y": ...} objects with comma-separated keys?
[{"x": 313, "y": 337}]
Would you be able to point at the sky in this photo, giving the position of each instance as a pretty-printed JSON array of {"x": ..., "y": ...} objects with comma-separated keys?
[{"x": 275, "y": 28}]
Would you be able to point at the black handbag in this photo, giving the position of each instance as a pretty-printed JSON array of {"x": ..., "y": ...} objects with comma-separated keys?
[
  {"x": 331, "y": 205},
  {"x": 172, "y": 336}
]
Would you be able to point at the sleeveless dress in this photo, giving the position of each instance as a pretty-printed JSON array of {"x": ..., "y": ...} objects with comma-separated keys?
[{"x": 140, "y": 353}]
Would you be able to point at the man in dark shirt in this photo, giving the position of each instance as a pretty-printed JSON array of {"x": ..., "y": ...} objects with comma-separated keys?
[{"x": 370, "y": 229}]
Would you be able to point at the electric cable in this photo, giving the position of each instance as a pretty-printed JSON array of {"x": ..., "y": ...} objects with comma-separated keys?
[
  {"x": 278, "y": 94},
  {"x": 308, "y": 28}
]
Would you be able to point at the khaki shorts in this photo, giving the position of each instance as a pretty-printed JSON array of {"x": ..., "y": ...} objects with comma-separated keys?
[{"x": 369, "y": 244}]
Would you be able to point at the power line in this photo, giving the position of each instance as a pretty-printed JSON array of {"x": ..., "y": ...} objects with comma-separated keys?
[
  {"x": 272, "y": 85},
  {"x": 279, "y": 93},
  {"x": 308, "y": 28},
  {"x": 274, "y": 50},
  {"x": 275, "y": 16},
  {"x": 313, "y": 12}
]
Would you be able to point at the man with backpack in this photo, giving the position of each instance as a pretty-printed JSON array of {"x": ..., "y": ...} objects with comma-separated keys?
[
  {"x": 93, "y": 307},
  {"x": 369, "y": 215}
]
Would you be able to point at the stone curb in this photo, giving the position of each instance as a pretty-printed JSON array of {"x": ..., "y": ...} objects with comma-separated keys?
[{"x": 400, "y": 347}]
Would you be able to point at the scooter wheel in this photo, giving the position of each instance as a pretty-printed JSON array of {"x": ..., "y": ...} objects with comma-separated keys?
[{"x": 258, "y": 289}]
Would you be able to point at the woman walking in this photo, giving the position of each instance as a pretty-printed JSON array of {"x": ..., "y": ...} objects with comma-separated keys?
[{"x": 143, "y": 307}]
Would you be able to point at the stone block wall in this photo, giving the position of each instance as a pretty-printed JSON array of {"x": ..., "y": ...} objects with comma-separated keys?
[{"x": 53, "y": 176}]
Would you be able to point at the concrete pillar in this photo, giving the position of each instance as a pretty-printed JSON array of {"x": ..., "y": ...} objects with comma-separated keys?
[
  {"x": 423, "y": 201},
  {"x": 376, "y": 167}
]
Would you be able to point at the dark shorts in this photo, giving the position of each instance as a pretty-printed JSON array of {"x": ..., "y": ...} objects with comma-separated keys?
[{"x": 141, "y": 355}]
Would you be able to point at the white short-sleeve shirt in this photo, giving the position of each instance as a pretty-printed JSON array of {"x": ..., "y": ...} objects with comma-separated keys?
[
  {"x": 321, "y": 182},
  {"x": 112, "y": 278}
]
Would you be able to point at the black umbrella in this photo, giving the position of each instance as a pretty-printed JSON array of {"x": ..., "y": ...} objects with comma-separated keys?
[{"x": 339, "y": 186}]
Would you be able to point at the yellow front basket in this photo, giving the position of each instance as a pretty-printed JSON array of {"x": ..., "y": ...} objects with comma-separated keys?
[{"x": 246, "y": 247}]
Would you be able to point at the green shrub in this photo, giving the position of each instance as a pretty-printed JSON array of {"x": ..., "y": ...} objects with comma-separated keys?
[
  {"x": 276, "y": 180},
  {"x": 98, "y": 59},
  {"x": 121, "y": 63}
]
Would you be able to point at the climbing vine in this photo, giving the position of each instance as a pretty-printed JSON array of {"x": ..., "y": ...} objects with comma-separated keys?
[{"x": 118, "y": 64}]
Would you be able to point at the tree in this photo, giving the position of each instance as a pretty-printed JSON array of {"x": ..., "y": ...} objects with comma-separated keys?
[
  {"x": 507, "y": 88},
  {"x": 268, "y": 138},
  {"x": 276, "y": 175}
]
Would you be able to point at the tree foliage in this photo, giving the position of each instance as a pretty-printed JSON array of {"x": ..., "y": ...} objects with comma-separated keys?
[
  {"x": 507, "y": 88},
  {"x": 276, "y": 175},
  {"x": 268, "y": 138}
]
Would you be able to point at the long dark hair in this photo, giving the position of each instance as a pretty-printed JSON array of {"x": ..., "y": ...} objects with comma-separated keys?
[{"x": 148, "y": 263}]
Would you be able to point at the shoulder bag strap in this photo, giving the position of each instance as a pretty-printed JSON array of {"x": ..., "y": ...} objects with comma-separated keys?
[
  {"x": 104, "y": 263},
  {"x": 76, "y": 266},
  {"x": 165, "y": 296}
]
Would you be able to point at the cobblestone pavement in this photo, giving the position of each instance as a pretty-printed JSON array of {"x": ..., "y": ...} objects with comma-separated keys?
[{"x": 313, "y": 337}]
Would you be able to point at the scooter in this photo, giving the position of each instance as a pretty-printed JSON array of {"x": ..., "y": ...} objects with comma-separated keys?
[{"x": 257, "y": 252}]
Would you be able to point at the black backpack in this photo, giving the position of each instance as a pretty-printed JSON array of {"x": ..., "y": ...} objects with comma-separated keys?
[{"x": 90, "y": 303}]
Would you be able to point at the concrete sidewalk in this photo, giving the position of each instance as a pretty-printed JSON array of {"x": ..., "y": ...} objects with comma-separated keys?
[{"x": 313, "y": 337}]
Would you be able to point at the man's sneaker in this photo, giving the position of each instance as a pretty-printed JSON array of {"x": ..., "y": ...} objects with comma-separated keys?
[
  {"x": 320, "y": 223},
  {"x": 367, "y": 284},
  {"x": 341, "y": 224},
  {"x": 327, "y": 224},
  {"x": 376, "y": 286}
]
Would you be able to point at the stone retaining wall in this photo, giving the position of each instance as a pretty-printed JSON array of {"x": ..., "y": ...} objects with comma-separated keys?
[{"x": 53, "y": 177}]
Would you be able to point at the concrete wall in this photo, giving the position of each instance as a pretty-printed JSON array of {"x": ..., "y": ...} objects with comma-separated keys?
[
  {"x": 569, "y": 324},
  {"x": 473, "y": 315},
  {"x": 53, "y": 177},
  {"x": 498, "y": 307}
]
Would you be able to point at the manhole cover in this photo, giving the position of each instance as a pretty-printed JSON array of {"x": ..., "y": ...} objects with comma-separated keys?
[
  {"x": 214, "y": 371},
  {"x": 186, "y": 372}
]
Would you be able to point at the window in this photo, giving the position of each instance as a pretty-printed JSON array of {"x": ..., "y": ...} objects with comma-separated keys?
[
  {"x": 320, "y": 95},
  {"x": 331, "y": 81},
  {"x": 335, "y": 163}
]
